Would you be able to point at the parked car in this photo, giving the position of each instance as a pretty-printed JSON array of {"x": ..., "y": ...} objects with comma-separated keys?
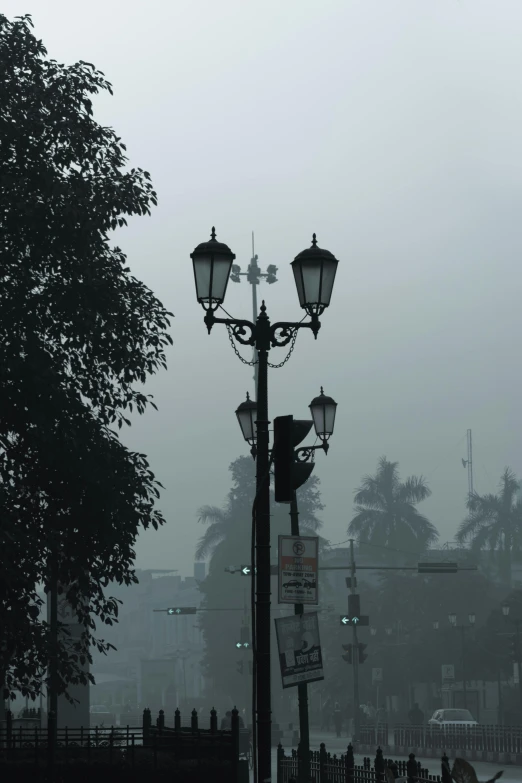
[
  {"x": 292, "y": 583},
  {"x": 452, "y": 718}
]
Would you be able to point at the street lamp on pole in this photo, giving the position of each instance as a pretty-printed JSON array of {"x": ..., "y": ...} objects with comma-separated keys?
[
  {"x": 323, "y": 410},
  {"x": 516, "y": 622},
  {"x": 314, "y": 272},
  {"x": 452, "y": 617}
]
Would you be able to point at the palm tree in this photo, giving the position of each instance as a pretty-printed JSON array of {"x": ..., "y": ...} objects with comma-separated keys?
[
  {"x": 232, "y": 525},
  {"x": 385, "y": 513},
  {"x": 495, "y": 522}
]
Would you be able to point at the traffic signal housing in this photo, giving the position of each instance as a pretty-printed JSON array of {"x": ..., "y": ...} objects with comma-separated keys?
[
  {"x": 362, "y": 654},
  {"x": 348, "y": 656},
  {"x": 289, "y": 474}
]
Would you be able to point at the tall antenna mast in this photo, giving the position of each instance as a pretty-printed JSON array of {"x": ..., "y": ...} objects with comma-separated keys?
[
  {"x": 469, "y": 464},
  {"x": 254, "y": 276}
]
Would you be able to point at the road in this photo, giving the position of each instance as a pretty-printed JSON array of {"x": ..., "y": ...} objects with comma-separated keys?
[{"x": 485, "y": 771}]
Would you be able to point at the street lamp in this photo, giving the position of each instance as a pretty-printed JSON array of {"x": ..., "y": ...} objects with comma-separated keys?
[
  {"x": 505, "y": 610},
  {"x": 435, "y": 625},
  {"x": 314, "y": 271},
  {"x": 373, "y": 631},
  {"x": 246, "y": 415},
  {"x": 323, "y": 410}
]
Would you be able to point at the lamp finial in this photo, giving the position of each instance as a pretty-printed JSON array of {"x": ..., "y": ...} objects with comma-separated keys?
[
  {"x": 314, "y": 240},
  {"x": 213, "y": 234}
]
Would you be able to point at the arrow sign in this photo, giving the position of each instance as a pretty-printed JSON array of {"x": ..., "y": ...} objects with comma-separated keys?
[
  {"x": 238, "y": 644},
  {"x": 364, "y": 619},
  {"x": 246, "y": 570},
  {"x": 246, "y": 644}
]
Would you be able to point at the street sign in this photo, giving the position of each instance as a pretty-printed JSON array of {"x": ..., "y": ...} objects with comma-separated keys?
[
  {"x": 376, "y": 675},
  {"x": 437, "y": 568},
  {"x": 176, "y": 610},
  {"x": 346, "y": 620},
  {"x": 448, "y": 672},
  {"x": 299, "y": 646},
  {"x": 246, "y": 645},
  {"x": 298, "y": 574}
]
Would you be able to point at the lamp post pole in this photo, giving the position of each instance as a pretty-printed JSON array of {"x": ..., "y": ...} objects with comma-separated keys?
[
  {"x": 314, "y": 272},
  {"x": 516, "y": 622},
  {"x": 463, "y": 628}
]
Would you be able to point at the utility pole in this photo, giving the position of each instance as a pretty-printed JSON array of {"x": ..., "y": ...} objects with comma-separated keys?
[
  {"x": 356, "y": 702},
  {"x": 254, "y": 276},
  {"x": 469, "y": 464},
  {"x": 303, "y": 760}
]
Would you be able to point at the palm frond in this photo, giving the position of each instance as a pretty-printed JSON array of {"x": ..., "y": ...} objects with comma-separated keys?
[
  {"x": 212, "y": 514},
  {"x": 212, "y": 536},
  {"x": 414, "y": 490}
]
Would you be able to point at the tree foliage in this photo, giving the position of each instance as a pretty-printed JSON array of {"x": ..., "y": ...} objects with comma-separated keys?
[
  {"x": 494, "y": 522},
  {"x": 385, "y": 513},
  {"x": 79, "y": 334}
]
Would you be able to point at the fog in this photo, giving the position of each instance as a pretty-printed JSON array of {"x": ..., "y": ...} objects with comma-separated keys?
[{"x": 392, "y": 130}]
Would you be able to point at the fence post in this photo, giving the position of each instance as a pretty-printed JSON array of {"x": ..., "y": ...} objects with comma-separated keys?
[
  {"x": 280, "y": 757},
  {"x": 379, "y": 765},
  {"x": 349, "y": 764},
  {"x": 160, "y": 721},
  {"x": 213, "y": 721},
  {"x": 8, "y": 727},
  {"x": 146, "y": 725},
  {"x": 412, "y": 769},
  {"x": 51, "y": 743},
  {"x": 194, "y": 720},
  {"x": 177, "y": 720},
  {"x": 323, "y": 757}
]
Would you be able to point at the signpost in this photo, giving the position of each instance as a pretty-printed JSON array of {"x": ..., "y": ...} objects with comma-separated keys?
[
  {"x": 298, "y": 570},
  {"x": 448, "y": 672},
  {"x": 299, "y": 646},
  {"x": 376, "y": 676}
]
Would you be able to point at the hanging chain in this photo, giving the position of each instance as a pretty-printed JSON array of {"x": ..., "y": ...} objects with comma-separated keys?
[
  {"x": 288, "y": 355},
  {"x": 232, "y": 343},
  {"x": 251, "y": 364}
]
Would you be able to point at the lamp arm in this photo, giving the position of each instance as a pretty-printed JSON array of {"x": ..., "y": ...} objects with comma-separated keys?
[
  {"x": 239, "y": 327},
  {"x": 282, "y": 332},
  {"x": 305, "y": 453}
]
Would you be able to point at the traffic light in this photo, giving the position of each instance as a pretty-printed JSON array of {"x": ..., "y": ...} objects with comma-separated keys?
[
  {"x": 348, "y": 656},
  {"x": 354, "y": 605},
  {"x": 239, "y": 665},
  {"x": 362, "y": 654},
  {"x": 289, "y": 474},
  {"x": 349, "y": 581},
  {"x": 182, "y": 610}
]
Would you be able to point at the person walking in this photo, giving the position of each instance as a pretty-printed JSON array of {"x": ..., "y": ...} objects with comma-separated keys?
[
  {"x": 326, "y": 715},
  {"x": 338, "y": 718},
  {"x": 416, "y": 715}
]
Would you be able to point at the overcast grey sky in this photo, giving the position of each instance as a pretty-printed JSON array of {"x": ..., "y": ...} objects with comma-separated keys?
[{"x": 392, "y": 129}]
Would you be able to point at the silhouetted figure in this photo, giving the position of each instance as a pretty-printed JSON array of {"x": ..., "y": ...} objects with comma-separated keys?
[
  {"x": 337, "y": 718},
  {"x": 326, "y": 715},
  {"x": 226, "y": 722},
  {"x": 416, "y": 715}
]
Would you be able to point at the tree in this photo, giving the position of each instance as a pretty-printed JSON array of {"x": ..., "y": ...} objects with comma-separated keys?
[
  {"x": 494, "y": 522},
  {"x": 228, "y": 541},
  {"x": 78, "y": 333},
  {"x": 385, "y": 513}
]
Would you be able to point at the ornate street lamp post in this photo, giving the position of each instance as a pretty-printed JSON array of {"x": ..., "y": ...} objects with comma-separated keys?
[{"x": 314, "y": 272}]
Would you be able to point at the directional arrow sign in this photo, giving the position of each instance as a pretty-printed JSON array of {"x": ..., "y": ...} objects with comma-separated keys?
[
  {"x": 246, "y": 570},
  {"x": 238, "y": 644},
  {"x": 364, "y": 619}
]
